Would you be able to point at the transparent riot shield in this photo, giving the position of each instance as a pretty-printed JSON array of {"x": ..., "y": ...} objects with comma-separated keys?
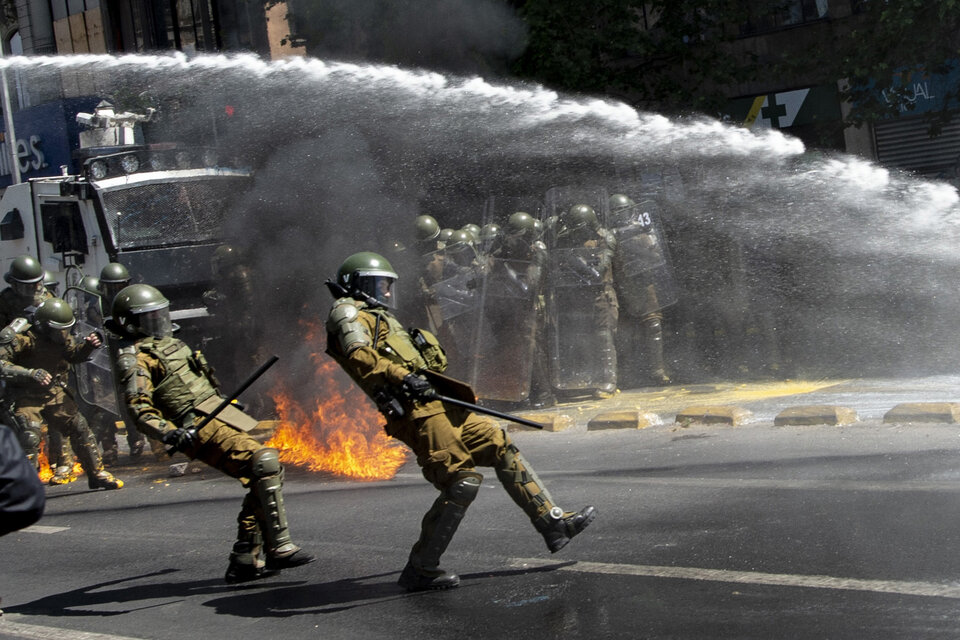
[
  {"x": 641, "y": 265},
  {"x": 578, "y": 350},
  {"x": 95, "y": 376},
  {"x": 502, "y": 357},
  {"x": 456, "y": 301}
]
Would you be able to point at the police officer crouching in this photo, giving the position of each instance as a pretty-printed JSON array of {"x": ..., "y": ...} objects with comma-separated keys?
[{"x": 168, "y": 388}]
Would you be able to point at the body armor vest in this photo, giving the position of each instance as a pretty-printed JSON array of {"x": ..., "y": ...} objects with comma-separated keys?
[{"x": 186, "y": 384}]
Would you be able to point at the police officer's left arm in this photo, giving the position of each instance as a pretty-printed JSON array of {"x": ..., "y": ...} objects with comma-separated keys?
[
  {"x": 137, "y": 383},
  {"x": 352, "y": 330}
]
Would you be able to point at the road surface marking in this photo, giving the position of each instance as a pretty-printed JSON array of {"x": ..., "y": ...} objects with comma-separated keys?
[
  {"x": 42, "y": 528},
  {"x": 11, "y": 629},
  {"x": 926, "y": 589}
]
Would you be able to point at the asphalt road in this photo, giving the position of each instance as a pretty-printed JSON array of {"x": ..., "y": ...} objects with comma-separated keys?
[{"x": 706, "y": 531}]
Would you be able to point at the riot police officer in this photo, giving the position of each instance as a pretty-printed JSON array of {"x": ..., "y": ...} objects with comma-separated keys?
[
  {"x": 25, "y": 290},
  {"x": 169, "y": 388},
  {"x": 583, "y": 304},
  {"x": 114, "y": 277},
  {"x": 35, "y": 363},
  {"x": 643, "y": 284},
  {"x": 387, "y": 361}
]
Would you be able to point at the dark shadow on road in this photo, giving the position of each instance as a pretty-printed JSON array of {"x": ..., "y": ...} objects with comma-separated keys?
[
  {"x": 339, "y": 595},
  {"x": 82, "y": 601}
]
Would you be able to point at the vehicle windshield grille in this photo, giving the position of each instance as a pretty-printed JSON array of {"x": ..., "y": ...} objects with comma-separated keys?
[{"x": 171, "y": 213}]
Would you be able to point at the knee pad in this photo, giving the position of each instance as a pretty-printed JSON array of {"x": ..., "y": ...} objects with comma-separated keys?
[
  {"x": 509, "y": 468},
  {"x": 266, "y": 463},
  {"x": 464, "y": 487},
  {"x": 30, "y": 435}
]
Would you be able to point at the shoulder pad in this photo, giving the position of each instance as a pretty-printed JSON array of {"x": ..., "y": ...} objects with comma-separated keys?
[
  {"x": 18, "y": 325},
  {"x": 539, "y": 245},
  {"x": 344, "y": 310}
]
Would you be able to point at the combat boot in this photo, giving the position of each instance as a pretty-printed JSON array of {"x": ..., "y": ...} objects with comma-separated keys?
[
  {"x": 246, "y": 561},
  {"x": 558, "y": 526},
  {"x": 136, "y": 449},
  {"x": 103, "y": 480},
  {"x": 63, "y": 474},
  {"x": 87, "y": 452},
  {"x": 280, "y": 550},
  {"x": 423, "y": 572},
  {"x": 522, "y": 484}
]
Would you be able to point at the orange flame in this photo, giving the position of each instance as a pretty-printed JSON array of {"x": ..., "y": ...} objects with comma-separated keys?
[
  {"x": 45, "y": 469},
  {"x": 341, "y": 434}
]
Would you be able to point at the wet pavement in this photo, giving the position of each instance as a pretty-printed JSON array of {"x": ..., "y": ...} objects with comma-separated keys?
[{"x": 704, "y": 531}]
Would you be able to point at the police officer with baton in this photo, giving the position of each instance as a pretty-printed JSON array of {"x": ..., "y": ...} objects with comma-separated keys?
[
  {"x": 450, "y": 441},
  {"x": 173, "y": 396}
]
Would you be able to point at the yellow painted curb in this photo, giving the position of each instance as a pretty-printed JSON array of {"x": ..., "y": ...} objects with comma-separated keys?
[
  {"x": 727, "y": 415},
  {"x": 624, "y": 419},
  {"x": 815, "y": 414},
  {"x": 942, "y": 412},
  {"x": 550, "y": 421}
]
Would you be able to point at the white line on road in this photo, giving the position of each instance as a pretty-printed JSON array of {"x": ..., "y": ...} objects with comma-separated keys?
[
  {"x": 42, "y": 528},
  {"x": 11, "y": 629},
  {"x": 826, "y": 484},
  {"x": 927, "y": 589}
]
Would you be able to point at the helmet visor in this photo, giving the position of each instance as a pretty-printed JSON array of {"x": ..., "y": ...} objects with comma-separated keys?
[
  {"x": 156, "y": 323},
  {"x": 380, "y": 288}
]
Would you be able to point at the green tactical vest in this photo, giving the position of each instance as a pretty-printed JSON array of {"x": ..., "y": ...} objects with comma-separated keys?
[
  {"x": 186, "y": 384},
  {"x": 416, "y": 350}
]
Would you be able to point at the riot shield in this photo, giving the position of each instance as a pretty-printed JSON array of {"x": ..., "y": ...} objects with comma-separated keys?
[
  {"x": 456, "y": 302},
  {"x": 95, "y": 376},
  {"x": 641, "y": 265},
  {"x": 578, "y": 350},
  {"x": 502, "y": 356}
]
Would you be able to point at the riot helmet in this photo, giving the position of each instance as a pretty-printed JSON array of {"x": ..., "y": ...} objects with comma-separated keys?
[
  {"x": 619, "y": 201},
  {"x": 54, "y": 318},
  {"x": 460, "y": 249},
  {"x": 113, "y": 277},
  {"x": 90, "y": 284},
  {"x": 141, "y": 310},
  {"x": 427, "y": 228},
  {"x": 473, "y": 229},
  {"x": 368, "y": 276},
  {"x": 520, "y": 223},
  {"x": 50, "y": 283},
  {"x": 579, "y": 216},
  {"x": 444, "y": 237},
  {"x": 25, "y": 276},
  {"x": 224, "y": 257},
  {"x": 488, "y": 236}
]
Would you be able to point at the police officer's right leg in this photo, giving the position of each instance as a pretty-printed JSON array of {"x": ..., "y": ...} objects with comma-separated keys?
[
  {"x": 246, "y": 558},
  {"x": 423, "y": 570},
  {"x": 30, "y": 434}
]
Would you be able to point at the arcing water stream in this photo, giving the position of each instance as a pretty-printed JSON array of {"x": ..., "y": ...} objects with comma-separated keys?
[{"x": 789, "y": 263}]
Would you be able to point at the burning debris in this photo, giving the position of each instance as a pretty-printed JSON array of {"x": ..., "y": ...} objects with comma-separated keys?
[{"x": 342, "y": 433}]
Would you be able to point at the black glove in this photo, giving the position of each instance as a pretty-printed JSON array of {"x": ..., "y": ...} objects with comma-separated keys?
[
  {"x": 418, "y": 388},
  {"x": 180, "y": 439}
]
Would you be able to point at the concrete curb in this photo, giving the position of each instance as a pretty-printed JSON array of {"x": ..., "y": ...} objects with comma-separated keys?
[
  {"x": 551, "y": 422},
  {"x": 815, "y": 415},
  {"x": 727, "y": 415},
  {"x": 942, "y": 412},
  {"x": 622, "y": 419}
]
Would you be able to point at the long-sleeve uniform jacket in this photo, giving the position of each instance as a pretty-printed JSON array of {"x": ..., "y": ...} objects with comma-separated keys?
[{"x": 377, "y": 352}]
